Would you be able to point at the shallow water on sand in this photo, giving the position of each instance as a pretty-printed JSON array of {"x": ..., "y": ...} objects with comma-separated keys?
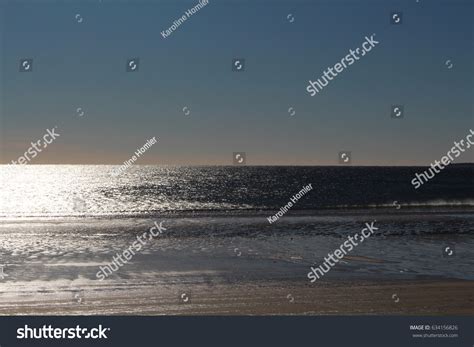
[{"x": 237, "y": 248}]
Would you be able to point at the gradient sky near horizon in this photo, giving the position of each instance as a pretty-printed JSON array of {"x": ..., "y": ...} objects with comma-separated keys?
[{"x": 82, "y": 65}]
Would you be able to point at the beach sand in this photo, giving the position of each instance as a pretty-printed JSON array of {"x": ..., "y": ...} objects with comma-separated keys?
[
  {"x": 222, "y": 266},
  {"x": 418, "y": 297}
]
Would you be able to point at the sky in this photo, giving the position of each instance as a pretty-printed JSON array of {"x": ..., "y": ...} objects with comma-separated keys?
[{"x": 80, "y": 50}]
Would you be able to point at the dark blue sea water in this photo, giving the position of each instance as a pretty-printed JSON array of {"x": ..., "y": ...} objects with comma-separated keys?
[{"x": 63, "y": 190}]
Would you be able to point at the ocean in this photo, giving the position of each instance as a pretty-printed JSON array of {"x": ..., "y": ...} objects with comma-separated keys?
[{"x": 60, "y": 223}]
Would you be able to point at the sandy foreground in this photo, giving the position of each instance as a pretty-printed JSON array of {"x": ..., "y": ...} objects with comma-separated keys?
[{"x": 412, "y": 297}]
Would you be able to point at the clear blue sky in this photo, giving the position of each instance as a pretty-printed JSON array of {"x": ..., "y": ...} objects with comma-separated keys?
[{"x": 83, "y": 65}]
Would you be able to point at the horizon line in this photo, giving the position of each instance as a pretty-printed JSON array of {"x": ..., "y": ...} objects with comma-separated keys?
[{"x": 235, "y": 165}]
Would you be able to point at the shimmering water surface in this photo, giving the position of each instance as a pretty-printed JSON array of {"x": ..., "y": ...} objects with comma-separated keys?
[{"x": 62, "y": 190}]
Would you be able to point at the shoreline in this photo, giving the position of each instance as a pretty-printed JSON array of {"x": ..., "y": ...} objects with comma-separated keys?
[{"x": 254, "y": 213}]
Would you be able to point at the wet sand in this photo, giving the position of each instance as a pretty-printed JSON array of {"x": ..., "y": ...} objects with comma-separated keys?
[
  {"x": 234, "y": 266},
  {"x": 413, "y": 297}
]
